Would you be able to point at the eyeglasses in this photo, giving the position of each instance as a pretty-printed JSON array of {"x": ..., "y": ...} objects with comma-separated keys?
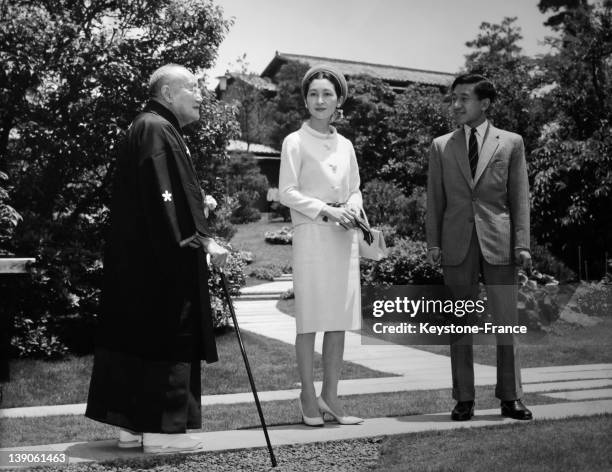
[{"x": 194, "y": 89}]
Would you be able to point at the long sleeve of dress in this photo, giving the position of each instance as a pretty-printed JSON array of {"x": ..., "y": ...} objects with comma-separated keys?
[
  {"x": 289, "y": 183},
  {"x": 354, "y": 198}
]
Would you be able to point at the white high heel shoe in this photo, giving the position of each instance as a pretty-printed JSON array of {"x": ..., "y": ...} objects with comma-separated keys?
[
  {"x": 340, "y": 419},
  {"x": 310, "y": 420}
]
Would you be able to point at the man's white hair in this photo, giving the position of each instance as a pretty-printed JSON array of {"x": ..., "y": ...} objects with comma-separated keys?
[{"x": 163, "y": 76}]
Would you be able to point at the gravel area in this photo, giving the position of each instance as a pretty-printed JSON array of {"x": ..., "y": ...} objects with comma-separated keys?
[{"x": 334, "y": 456}]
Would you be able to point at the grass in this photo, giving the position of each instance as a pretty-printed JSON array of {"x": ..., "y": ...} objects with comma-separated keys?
[
  {"x": 576, "y": 444},
  {"x": 56, "y": 429},
  {"x": 250, "y": 237},
  {"x": 37, "y": 382},
  {"x": 565, "y": 344}
]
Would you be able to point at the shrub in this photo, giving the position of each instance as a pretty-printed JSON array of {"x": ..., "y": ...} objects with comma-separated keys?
[
  {"x": 545, "y": 262},
  {"x": 234, "y": 275},
  {"x": 405, "y": 264},
  {"x": 220, "y": 224},
  {"x": 247, "y": 256},
  {"x": 267, "y": 272},
  {"x": 245, "y": 184},
  {"x": 386, "y": 204},
  {"x": 595, "y": 299},
  {"x": 34, "y": 338},
  {"x": 282, "y": 236},
  {"x": 537, "y": 305},
  {"x": 243, "y": 210},
  {"x": 9, "y": 218}
]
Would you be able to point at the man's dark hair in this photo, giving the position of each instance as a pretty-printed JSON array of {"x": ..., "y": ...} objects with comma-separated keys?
[{"x": 484, "y": 87}]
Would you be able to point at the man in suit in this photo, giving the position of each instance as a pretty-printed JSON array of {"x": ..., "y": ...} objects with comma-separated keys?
[{"x": 478, "y": 224}]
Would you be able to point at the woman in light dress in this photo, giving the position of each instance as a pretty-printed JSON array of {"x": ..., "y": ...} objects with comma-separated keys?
[{"x": 319, "y": 182}]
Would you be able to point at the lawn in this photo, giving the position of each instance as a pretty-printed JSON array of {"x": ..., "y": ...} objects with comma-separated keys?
[
  {"x": 37, "y": 382},
  {"x": 250, "y": 237},
  {"x": 564, "y": 344}
]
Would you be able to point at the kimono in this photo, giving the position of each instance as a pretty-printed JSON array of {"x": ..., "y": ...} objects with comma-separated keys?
[{"x": 155, "y": 323}]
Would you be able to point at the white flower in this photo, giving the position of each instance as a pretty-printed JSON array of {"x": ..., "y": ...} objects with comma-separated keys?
[{"x": 210, "y": 202}]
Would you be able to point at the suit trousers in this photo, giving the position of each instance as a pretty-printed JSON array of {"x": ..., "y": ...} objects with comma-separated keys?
[{"x": 502, "y": 292}]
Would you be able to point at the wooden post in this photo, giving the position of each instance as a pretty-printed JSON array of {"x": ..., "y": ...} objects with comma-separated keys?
[
  {"x": 16, "y": 265},
  {"x": 579, "y": 263}
]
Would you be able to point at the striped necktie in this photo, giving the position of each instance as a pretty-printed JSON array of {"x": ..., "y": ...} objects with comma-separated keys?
[{"x": 473, "y": 152}]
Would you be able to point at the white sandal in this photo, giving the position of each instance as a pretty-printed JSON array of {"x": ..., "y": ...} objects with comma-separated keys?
[
  {"x": 154, "y": 443},
  {"x": 129, "y": 439}
]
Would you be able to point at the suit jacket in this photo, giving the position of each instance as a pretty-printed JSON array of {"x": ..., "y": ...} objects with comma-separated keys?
[{"x": 495, "y": 201}]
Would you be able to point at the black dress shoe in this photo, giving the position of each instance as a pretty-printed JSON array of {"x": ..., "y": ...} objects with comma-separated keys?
[
  {"x": 463, "y": 411},
  {"x": 516, "y": 410}
]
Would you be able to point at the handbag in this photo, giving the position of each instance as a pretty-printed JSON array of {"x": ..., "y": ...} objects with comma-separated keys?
[{"x": 371, "y": 241}]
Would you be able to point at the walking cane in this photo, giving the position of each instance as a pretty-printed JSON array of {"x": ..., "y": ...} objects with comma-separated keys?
[{"x": 248, "y": 367}]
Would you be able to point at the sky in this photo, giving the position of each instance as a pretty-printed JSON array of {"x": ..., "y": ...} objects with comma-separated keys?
[{"x": 421, "y": 34}]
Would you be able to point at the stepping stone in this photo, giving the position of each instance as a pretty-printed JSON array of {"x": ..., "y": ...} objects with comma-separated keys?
[
  {"x": 582, "y": 394},
  {"x": 573, "y": 385}
]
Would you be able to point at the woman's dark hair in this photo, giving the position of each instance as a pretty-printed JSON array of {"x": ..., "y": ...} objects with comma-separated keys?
[
  {"x": 322, "y": 75},
  {"x": 484, "y": 87}
]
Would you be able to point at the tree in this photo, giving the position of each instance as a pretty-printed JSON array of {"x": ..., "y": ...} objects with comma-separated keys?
[
  {"x": 367, "y": 124},
  {"x": 287, "y": 110},
  {"x": 419, "y": 115},
  {"x": 251, "y": 101},
  {"x": 498, "y": 57},
  {"x": 570, "y": 168},
  {"x": 73, "y": 76}
]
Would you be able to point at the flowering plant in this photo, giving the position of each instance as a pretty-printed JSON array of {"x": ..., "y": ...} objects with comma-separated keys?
[{"x": 209, "y": 204}]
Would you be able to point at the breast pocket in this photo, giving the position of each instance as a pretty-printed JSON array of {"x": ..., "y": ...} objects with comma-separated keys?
[{"x": 498, "y": 170}]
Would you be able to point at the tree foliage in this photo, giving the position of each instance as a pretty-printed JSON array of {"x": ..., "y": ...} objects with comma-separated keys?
[
  {"x": 571, "y": 167},
  {"x": 251, "y": 103},
  {"x": 73, "y": 76},
  {"x": 287, "y": 110},
  {"x": 497, "y": 55}
]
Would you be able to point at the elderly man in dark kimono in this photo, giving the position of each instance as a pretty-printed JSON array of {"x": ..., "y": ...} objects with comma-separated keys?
[{"x": 155, "y": 323}]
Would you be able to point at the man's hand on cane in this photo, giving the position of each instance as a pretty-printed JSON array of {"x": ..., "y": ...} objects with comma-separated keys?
[{"x": 218, "y": 254}]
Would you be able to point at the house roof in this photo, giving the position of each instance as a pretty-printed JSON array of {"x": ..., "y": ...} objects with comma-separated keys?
[
  {"x": 395, "y": 75},
  {"x": 254, "y": 80},
  {"x": 260, "y": 151}
]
